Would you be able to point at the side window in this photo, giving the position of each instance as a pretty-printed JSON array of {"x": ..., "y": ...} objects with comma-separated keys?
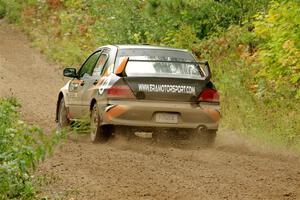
[
  {"x": 88, "y": 66},
  {"x": 100, "y": 64}
]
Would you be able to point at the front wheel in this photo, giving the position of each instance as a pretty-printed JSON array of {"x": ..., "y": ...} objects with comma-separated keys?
[
  {"x": 98, "y": 133},
  {"x": 62, "y": 119}
]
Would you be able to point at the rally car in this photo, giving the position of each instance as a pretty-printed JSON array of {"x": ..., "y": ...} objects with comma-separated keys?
[{"x": 141, "y": 87}]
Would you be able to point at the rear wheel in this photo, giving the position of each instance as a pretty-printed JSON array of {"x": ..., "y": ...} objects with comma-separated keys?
[
  {"x": 62, "y": 119},
  {"x": 205, "y": 138},
  {"x": 98, "y": 133}
]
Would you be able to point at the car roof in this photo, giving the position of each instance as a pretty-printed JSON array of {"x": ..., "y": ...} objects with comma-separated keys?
[
  {"x": 148, "y": 47},
  {"x": 144, "y": 46}
]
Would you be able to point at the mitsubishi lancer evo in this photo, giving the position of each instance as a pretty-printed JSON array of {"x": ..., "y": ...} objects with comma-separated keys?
[{"x": 141, "y": 88}]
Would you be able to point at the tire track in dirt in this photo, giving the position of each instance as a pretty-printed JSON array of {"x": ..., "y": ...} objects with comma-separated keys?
[
  {"x": 122, "y": 169},
  {"x": 26, "y": 74}
]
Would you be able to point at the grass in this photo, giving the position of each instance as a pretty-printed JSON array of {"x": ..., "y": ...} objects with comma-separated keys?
[{"x": 22, "y": 147}]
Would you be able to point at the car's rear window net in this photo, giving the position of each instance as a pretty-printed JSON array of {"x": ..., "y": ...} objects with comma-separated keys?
[{"x": 166, "y": 68}]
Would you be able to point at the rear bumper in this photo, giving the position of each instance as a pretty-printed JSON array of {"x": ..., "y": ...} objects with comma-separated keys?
[{"x": 143, "y": 114}]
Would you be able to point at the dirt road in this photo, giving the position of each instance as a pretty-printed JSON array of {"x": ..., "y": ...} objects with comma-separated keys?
[{"x": 120, "y": 169}]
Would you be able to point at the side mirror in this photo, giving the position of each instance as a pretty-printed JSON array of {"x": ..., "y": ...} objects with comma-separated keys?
[{"x": 70, "y": 72}]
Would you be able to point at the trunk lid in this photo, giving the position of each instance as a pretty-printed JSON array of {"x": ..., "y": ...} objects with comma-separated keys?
[
  {"x": 165, "y": 89},
  {"x": 162, "y": 74}
]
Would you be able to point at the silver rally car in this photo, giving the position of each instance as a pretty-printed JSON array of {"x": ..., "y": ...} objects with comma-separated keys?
[{"x": 141, "y": 87}]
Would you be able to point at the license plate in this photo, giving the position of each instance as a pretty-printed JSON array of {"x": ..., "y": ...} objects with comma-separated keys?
[{"x": 166, "y": 118}]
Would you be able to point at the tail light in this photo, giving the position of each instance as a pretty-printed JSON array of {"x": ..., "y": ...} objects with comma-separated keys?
[
  {"x": 209, "y": 95},
  {"x": 120, "y": 92}
]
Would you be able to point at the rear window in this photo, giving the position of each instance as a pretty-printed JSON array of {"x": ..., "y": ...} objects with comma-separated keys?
[{"x": 160, "y": 63}]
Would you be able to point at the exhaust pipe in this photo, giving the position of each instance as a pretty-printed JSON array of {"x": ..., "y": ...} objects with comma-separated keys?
[{"x": 201, "y": 129}]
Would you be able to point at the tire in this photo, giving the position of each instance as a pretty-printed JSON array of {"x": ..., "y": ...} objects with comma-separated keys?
[
  {"x": 98, "y": 133},
  {"x": 206, "y": 138},
  {"x": 62, "y": 119}
]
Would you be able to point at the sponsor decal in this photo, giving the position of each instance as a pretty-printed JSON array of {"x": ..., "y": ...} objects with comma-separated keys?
[
  {"x": 184, "y": 89},
  {"x": 104, "y": 84}
]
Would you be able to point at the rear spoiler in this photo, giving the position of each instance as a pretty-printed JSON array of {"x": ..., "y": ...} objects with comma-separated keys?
[{"x": 203, "y": 65}]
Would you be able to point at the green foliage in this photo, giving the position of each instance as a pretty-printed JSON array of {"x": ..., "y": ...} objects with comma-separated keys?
[
  {"x": 2, "y": 9},
  {"x": 13, "y": 10},
  {"x": 275, "y": 120},
  {"x": 80, "y": 26},
  {"x": 280, "y": 47},
  {"x": 22, "y": 147},
  {"x": 205, "y": 16}
]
